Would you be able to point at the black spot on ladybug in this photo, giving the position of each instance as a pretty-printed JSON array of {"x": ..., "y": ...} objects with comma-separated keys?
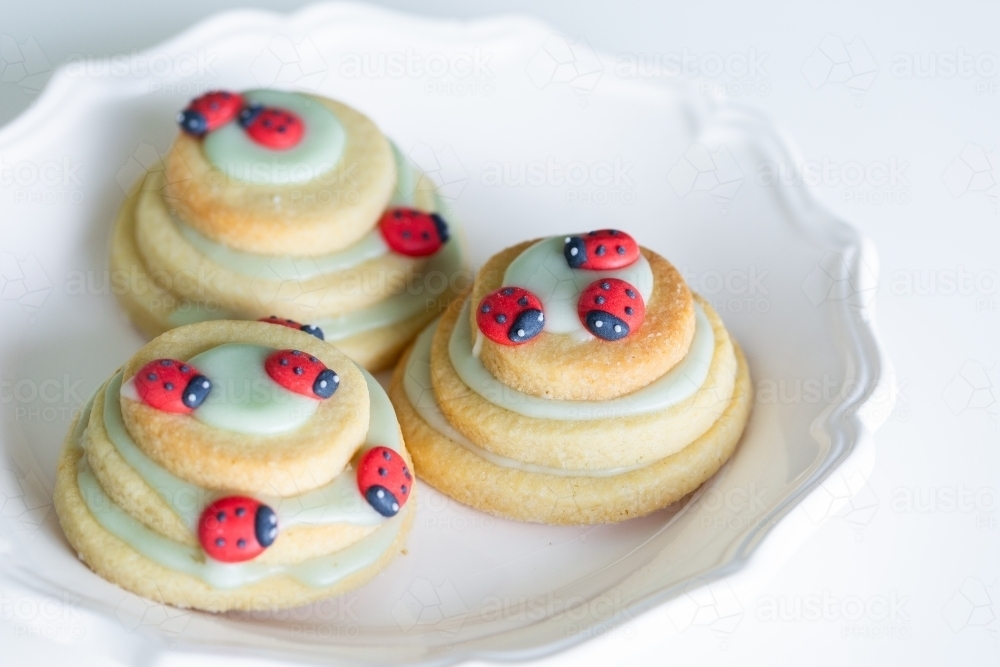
[
  {"x": 283, "y": 362},
  {"x": 599, "y": 299},
  {"x": 600, "y": 250},
  {"x": 501, "y": 319},
  {"x": 241, "y": 543},
  {"x": 485, "y": 308},
  {"x": 151, "y": 377},
  {"x": 185, "y": 368},
  {"x": 605, "y": 285},
  {"x": 620, "y": 250},
  {"x": 382, "y": 472},
  {"x": 629, "y": 310},
  {"x": 220, "y": 542},
  {"x": 240, "y": 511},
  {"x": 523, "y": 301},
  {"x": 220, "y": 517},
  {"x": 298, "y": 370},
  {"x": 629, "y": 293},
  {"x": 169, "y": 386},
  {"x": 507, "y": 291}
]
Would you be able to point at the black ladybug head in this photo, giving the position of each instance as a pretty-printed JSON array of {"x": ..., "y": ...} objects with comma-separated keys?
[
  {"x": 441, "y": 226},
  {"x": 192, "y": 122},
  {"x": 265, "y": 526},
  {"x": 575, "y": 251},
  {"x": 249, "y": 113}
]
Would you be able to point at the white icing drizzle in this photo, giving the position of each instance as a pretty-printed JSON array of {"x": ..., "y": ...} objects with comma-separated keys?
[
  {"x": 420, "y": 392},
  {"x": 244, "y": 398},
  {"x": 679, "y": 383},
  {"x": 340, "y": 501},
  {"x": 233, "y": 152},
  {"x": 542, "y": 269}
]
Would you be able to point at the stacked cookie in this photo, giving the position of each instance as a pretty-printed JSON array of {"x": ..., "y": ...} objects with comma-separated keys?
[
  {"x": 236, "y": 465},
  {"x": 283, "y": 204},
  {"x": 578, "y": 381}
]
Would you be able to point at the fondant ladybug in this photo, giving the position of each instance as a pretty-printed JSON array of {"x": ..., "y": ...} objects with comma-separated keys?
[
  {"x": 611, "y": 308},
  {"x": 210, "y": 112},
  {"x": 271, "y": 127},
  {"x": 510, "y": 316},
  {"x": 601, "y": 250},
  {"x": 302, "y": 373},
  {"x": 412, "y": 232},
  {"x": 236, "y": 529},
  {"x": 384, "y": 480},
  {"x": 172, "y": 386},
  {"x": 292, "y": 324}
]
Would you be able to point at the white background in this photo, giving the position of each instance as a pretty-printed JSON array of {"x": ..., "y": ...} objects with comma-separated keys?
[{"x": 907, "y": 150}]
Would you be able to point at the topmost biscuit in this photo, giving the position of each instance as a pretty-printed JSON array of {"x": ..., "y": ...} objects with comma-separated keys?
[{"x": 281, "y": 173}]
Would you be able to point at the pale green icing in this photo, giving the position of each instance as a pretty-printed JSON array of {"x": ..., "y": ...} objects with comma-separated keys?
[
  {"x": 341, "y": 501},
  {"x": 244, "y": 398},
  {"x": 443, "y": 267},
  {"x": 232, "y": 152},
  {"x": 542, "y": 269},
  {"x": 406, "y": 179},
  {"x": 282, "y": 267},
  {"x": 186, "y": 499},
  {"x": 317, "y": 572},
  {"x": 420, "y": 393},
  {"x": 678, "y": 384}
]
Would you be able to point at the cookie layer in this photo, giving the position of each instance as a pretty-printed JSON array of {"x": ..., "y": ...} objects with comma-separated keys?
[
  {"x": 558, "y": 499},
  {"x": 118, "y": 562},
  {"x": 272, "y": 284},
  {"x": 610, "y": 442},
  {"x": 154, "y": 308},
  {"x": 326, "y": 214},
  {"x": 279, "y": 464},
  {"x": 558, "y": 366}
]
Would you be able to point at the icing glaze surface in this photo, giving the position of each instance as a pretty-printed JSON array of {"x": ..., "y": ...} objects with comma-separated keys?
[
  {"x": 542, "y": 270},
  {"x": 283, "y": 267},
  {"x": 244, "y": 398},
  {"x": 234, "y": 153},
  {"x": 679, "y": 383},
  {"x": 420, "y": 392}
]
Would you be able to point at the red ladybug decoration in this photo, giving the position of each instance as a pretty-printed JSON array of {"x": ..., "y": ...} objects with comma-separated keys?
[
  {"x": 271, "y": 127},
  {"x": 236, "y": 529},
  {"x": 302, "y": 373},
  {"x": 210, "y": 112},
  {"x": 172, "y": 386},
  {"x": 292, "y": 324},
  {"x": 601, "y": 250},
  {"x": 413, "y": 233},
  {"x": 611, "y": 308},
  {"x": 510, "y": 316},
  {"x": 384, "y": 480}
]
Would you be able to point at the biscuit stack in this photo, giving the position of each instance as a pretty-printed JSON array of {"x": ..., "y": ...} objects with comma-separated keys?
[
  {"x": 578, "y": 381},
  {"x": 289, "y": 205},
  {"x": 236, "y": 465}
]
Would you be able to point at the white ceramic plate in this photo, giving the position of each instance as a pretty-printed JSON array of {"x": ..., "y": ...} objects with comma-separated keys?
[{"x": 476, "y": 105}]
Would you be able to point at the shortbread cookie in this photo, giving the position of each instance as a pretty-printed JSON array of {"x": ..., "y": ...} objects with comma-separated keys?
[
  {"x": 319, "y": 196},
  {"x": 548, "y": 367},
  {"x": 515, "y": 490},
  {"x": 398, "y": 266},
  {"x": 596, "y": 305},
  {"x": 222, "y": 512}
]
